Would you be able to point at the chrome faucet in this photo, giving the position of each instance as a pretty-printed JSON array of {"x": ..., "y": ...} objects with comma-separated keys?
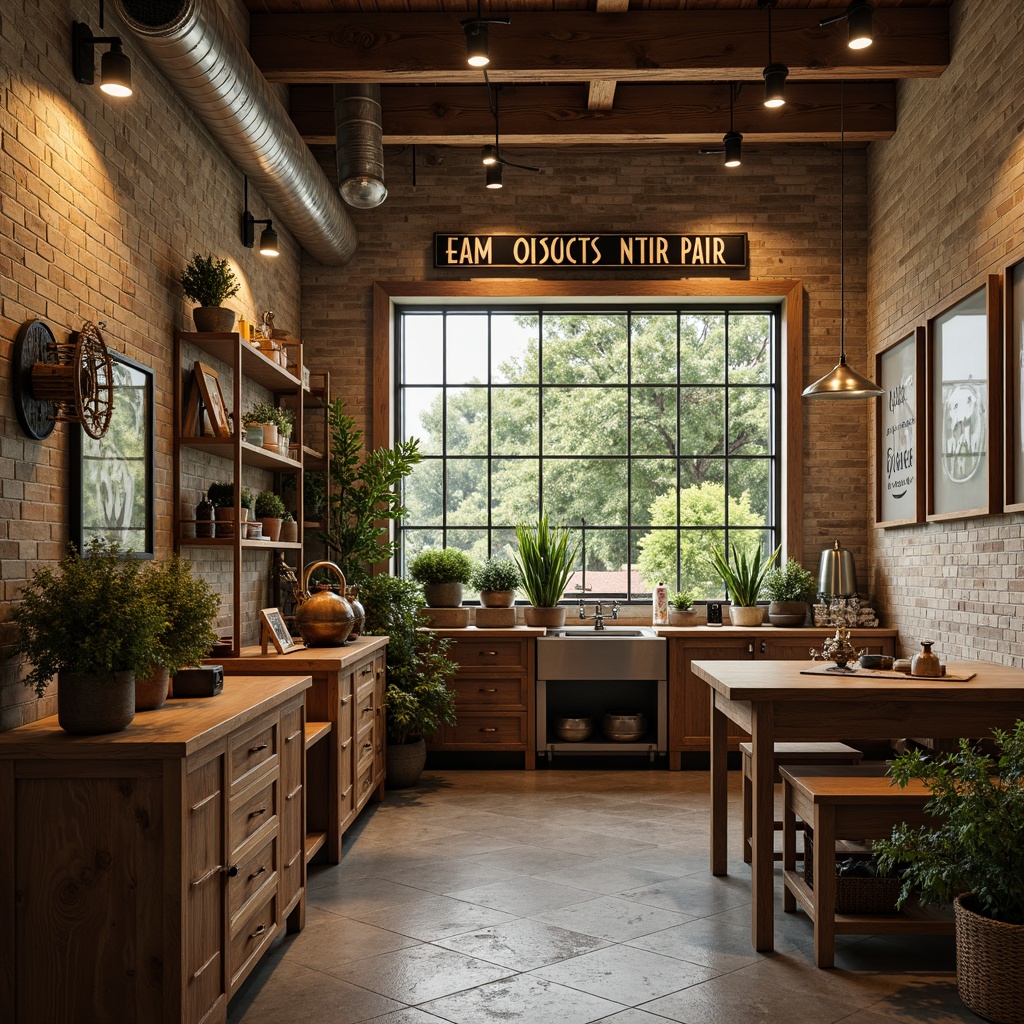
[{"x": 598, "y": 612}]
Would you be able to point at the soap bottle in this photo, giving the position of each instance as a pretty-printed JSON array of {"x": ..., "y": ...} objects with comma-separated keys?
[
  {"x": 925, "y": 663},
  {"x": 660, "y": 605}
]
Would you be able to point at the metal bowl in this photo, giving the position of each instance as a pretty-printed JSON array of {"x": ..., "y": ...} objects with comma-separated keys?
[
  {"x": 574, "y": 730},
  {"x": 624, "y": 728}
]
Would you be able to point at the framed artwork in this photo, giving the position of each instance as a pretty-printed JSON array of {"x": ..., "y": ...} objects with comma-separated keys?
[
  {"x": 273, "y": 626},
  {"x": 965, "y": 467},
  {"x": 213, "y": 399},
  {"x": 112, "y": 476},
  {"x": 1013, "y": 369},
  {"x": 899, "y": 481}
]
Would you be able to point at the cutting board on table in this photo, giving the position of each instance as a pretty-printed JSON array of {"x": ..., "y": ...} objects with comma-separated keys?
[{"x": 877, "y": 673}]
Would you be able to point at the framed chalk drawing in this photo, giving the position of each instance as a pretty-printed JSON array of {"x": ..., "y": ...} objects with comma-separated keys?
[
  {"x": 1013, "y": 287},
  {"x": 899, "y": 480}
]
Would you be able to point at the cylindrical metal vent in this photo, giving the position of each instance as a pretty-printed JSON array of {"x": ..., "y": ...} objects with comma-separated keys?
[
  {"x": 196, "y": 48},
  {"x": 357, "y": 125}
]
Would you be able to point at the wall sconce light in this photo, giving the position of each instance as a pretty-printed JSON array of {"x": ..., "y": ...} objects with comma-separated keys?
[
  {"x": 858, "y": 22},
  {"x": 774, "y": 74},
  {"x": 268, "y": 236},
  {"x": 477, "y": 51},
  {"x": 115, "y": 66}
]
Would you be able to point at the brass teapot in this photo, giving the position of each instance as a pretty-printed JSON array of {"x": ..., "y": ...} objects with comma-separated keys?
[{"x": 324, "y": 618}]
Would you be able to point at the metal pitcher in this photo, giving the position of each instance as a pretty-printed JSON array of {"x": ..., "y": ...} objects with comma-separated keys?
[
  {"x": 837, "y": 576},
  {"x": 324, "y": 618}
]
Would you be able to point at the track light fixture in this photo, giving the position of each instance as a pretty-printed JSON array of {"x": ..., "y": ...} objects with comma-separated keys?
[
  {"x": 858, "y": 21},
  {"x": 842, "y": 381},
  {"x": 774, "y": 74},
  {"x": 492, "y": 176},
  {"x": 490, "y": 155},
  {"x": 268, "y": 236},
  {"x": 115, "y": 65},
  {"x": 732, "y": 141},
  {"x": 476, "y": 29}
]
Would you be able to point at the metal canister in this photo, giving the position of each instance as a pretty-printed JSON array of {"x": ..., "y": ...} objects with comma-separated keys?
[{"x": 837, "y": 576}]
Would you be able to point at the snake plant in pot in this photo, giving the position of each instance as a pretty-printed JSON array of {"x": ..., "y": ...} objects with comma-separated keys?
[
  {"x": 743, "y": 577},
  {"x": 546, "y": 558}
]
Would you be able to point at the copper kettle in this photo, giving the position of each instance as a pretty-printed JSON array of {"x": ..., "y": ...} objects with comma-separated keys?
[{"x": 324, "y": 618}]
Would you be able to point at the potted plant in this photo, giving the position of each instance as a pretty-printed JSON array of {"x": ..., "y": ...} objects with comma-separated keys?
[
  {"x": 270, "y": 511},
  {"x": 443, "y": 572},
  {"x": 188, "y": 607},
  {"x": 743, "y": 578},
  {"x": 261, "y": 423},
  {"x": 89, "y": 623},
  {"x": 222, "y": 496},
  {"x": 289, "y": 529},
  {"x": 208, "y": 282},
  {"x": 546, "y": 559},
  {"x": 971, "y": 857},
  {"x": 496, "y": 579},
  {"x": 417, "y": 697},
  {"x": 788, "y": 589},
  {"x": 285, "y": 420},
  {"x": 680, "y": 610}
]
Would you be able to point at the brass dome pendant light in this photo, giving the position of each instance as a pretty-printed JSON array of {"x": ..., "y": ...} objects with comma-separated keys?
[{"x": 842, "y": 381}]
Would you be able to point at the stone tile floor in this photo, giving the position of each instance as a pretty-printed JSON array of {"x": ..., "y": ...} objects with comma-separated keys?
[{"x": 567, "y": 897}]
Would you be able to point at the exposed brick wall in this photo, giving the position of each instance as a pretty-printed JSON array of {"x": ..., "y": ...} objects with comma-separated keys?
[
  {"x": 945, "y": 211},
  {"x": 101, "y": 203}
]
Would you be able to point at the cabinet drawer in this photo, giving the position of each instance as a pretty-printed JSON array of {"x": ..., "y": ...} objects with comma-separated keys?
[
  {"x": 364, "y": 782},
  {"x": 255, "y": 873},
  {"x": 476, "y": 654},
  {"x": 253, "y": 750},
  {"x": 365, "y": 746},
  {"x": 487, "y": 730},
  {"x": 252, "y": 811},
  {"x": 249, "y": 938},
  {"x": 364, "y": 676},
  {"x": 470, "y": 690}
]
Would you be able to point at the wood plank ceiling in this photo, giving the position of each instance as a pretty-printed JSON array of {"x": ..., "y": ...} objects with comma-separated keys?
[{"x": 598, "y": 72}]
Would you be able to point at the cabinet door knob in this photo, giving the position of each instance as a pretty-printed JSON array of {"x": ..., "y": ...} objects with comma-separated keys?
[
  {"x": 231, "y": 871},
  {"x": 764, "y": 647},
  {"x": 259, "y": 931}
]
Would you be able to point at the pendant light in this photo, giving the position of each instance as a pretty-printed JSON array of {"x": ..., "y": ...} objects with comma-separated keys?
[
  {"x": 477, "y": 43},
  {"x": 858, "y": 23},
  {"x": 490, "y": 155},
  {"x": 732, "y": 141},
  {"x": 842, "y": 381},
  {"x": 774, "y": 74}
]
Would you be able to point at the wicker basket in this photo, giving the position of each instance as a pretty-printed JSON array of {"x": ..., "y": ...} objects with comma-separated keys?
[
  {"x": 856, "y": 894},
  {"x": 989, "y": 957}
]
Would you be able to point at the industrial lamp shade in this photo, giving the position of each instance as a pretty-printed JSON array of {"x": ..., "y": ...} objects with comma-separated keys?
[
  {"x": 733, "y": 145},
  {"x": 492, "y": 177},
  {"x": 842, "y": 381},
  {"x": 775, "y": 85},
  {"x": 477, "y": 55},
  {"x": 858, "y": 20},
  {"x": 268, "y": 241},
  {"x": 363, "y": 191},
  {"x": 116, "y": 72},
  {"x": 488, "y": 155}
]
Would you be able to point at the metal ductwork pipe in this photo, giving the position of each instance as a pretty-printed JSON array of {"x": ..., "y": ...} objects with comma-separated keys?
[
  {"x": 197, "y": 50},
  {"x": 358, "y": 135}
]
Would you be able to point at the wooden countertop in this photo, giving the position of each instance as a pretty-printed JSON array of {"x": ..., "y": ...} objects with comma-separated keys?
[
  {"x": 810, "y": 632},
  {"x": 303, "y": 659},
  {"x": 474, "y": 632}
]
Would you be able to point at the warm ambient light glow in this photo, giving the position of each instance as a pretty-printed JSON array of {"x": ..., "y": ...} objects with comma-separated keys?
[
  {"x": 116, "y": 72},
  {"x": 489, "y": 155},
  {"x": 493, "y": 177},
  {"x": 476, "y": 45},
  {"x": 775, "y": 85},
  {"x": 733, "y": 142},
  {"x": 268, "y": 241}
]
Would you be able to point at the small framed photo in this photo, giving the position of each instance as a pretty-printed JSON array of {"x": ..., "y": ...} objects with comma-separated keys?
[
  {"x": 1013, "y": 368},
  {"x": 213, "y": 398},
  {"x": 272, "y": 626},
  {"x": 899, "y": 480},
  {"x": 965, "y": 453}
]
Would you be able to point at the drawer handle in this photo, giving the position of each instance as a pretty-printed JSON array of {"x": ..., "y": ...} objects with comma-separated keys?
[
  {"x": 489, "y": 728},
  {"x": 205, "y": 800},
  {"x": 367, "y": 746},
  {"x": 294, "y": 735},
  {"x": 259, "y": 871},
  {"x": 295, "y": 792},
  {"x": 257, "y": 748},
  {"x": 209, "y": 874},
  {"x": 207, "y": 964},
  {"x": 367, "y": 672},
  {"x": 260, "y": 929},
  {"x": 368, "y": 710},
  {"x": 488, "y": 689},
  {"x": 488, "y": 654},
  {"x": 344, "y": 701},
  {"x": 257, "y": 812}
]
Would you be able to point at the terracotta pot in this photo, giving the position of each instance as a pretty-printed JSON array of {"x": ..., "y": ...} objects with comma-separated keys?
[
  {"x": 497, "y": 598},
  {"x": 443, "y": 595},
  {"x": 271, "y": 528},
  {"x": 404, "y": 763},
  {"x": 213, "y": 319},
  {"x": 225, "y": 517},
  {"x": 787, "y": 613},
  {"x": 289, "y": 531},
  {"x": 988, "y": 958},
  {"x": 270, "y": 436},
  {"x": 745, "y": 615},
  {"x": 681, "y": 617},
  {"x": 151, "y": 690},
  {"x": 89, "y": 704},
  {"x": 549, "y": 617}
]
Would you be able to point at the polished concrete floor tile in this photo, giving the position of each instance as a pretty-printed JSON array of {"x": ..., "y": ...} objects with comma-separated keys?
[
  {"x": 706, "y": 941},
  {"x": 696, "y": 896},
  {"x": 612, "y": 918},
  {"x": 606, "y": 877},
  {"x": 434, "y": 917},
  {"x": 632, "y": 1016},
  {"x": 523, "y": 945},
  {"x": 523, "y": 896},
  {"x": 329, "y": 941},
  {"x": 410, "y": 1015}
]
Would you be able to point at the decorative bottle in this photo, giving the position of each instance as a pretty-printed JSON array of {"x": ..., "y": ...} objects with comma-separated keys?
[
  {"x": 660, "y": 605},
  {"x": 204, "y": 517},
  {"x": 926, "y": 663}
]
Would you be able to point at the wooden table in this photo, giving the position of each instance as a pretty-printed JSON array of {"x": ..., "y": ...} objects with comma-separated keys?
[{"x": 772, "y": 701}]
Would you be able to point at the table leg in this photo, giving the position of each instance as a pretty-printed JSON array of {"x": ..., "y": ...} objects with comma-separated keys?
[
  {"x": 719, "y": 789},
  {"x": 762, "y": 825},
  {"x": 824, "y": 886},
  {"x": 788, "y": 846}
]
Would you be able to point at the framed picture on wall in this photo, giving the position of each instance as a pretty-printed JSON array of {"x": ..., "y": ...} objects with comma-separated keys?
[
  {"x": 112, "y": 476},
  {"x": 899, "y": 477},
  {"x": 965, "y": 462},
  {"x": 1013, "y": 369},
  {"x": 213, "y": 399}
]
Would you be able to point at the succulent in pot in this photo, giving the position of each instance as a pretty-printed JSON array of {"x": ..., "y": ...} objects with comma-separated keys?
[
  {"x": 743, "y": 578},
  {"x": 788, "y": 588},
  {"x": 270, "y": 511},
  {"x": 89, "y": 623},
  {"x": 546, "y": 558},
  {"x": 442, "y": 572},
  {"x": 497, "y": 580},
  {"x": 208, "y": 282},
  {"x": 680, "y": 610}
]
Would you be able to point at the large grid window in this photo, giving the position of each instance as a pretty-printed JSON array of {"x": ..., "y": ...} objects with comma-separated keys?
[{"x": 654, "y": 432}]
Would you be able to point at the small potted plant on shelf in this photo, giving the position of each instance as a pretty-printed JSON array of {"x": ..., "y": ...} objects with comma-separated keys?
[
  {"x": 546, "y": 560},
  {"x": 256, "y": 420},
  {"x": 188, "y": 607},
  {"x": 971, "y": 857},
  {"x": 289, "y": 529},
  {"x": 208, "y": 282},
  {"x": 270, "y": 511},
  {"x": 496, "y": 579},
  {"x": 743, "y": 578},
  {"x": 89, "y": 623},
  {"x": 680, "y": 610},
  {"x": 285, "y": 419},
  {"x": 788, "y": 589},
  {"x": 443, "y": 572}
]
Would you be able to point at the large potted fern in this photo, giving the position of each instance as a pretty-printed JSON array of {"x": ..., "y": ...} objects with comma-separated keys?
[{"x": 546, "y": 558}]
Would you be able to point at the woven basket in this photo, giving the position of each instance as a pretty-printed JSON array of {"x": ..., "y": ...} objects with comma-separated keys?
[
  {"x": 989, "y": 962},
  {"x": 856, "y": 894}
]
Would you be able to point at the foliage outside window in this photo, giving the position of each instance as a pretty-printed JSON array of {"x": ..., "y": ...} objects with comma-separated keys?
[{"x": 652, "y": 433}]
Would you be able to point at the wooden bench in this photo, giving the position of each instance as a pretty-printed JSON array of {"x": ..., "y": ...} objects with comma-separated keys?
[
  {"x": 790, "y": 753},
  {"x": 847, "y": 802}
]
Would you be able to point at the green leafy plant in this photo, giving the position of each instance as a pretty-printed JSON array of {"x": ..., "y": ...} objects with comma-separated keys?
[
  {"x": 245, "y": 498},
  {"x": 441, "y": 565},
  {"x": 208, "y": 281},
  {"x": 417, "y": 696},
  {"x": 285, "y": 420},
  {"x": 88, "y": 616},
  {"x": 681, "y": 602},
  {"x": 365, "y": 495},
  {"x": 546, "y": 559},
  {"x": 269, "y": 506},
  {"x": 222, "y": 495},
  {"x": 188, "y": 606},
  {"x": 791, "y": 582},
  {"x": 260, "y": 413},
  {"x": 978, "y": 803},
  {"x": 495, "y": 574},
  {"x": 744, "y": 576}
]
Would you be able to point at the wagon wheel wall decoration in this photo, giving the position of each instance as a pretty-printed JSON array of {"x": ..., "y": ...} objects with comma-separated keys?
[{"x": 70, "y": 381}]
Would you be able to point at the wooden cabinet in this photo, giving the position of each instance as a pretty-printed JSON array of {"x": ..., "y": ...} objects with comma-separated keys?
[
  {"x": 345, "y": 766},
  {"x": 144, "y": 873},
  {"x": 689, "y": 697},
  {"x": 494, "y": 692}
]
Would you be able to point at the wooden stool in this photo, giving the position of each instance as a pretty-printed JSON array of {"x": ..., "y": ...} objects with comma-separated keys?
[
  {"x": 847, "y": 802},
  {"x": 790, "y": 753}
]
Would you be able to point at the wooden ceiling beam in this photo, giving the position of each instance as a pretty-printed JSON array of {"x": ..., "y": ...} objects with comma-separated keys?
[
  {"x": 689, "y": 45},
  {"x": 643, "y": 114}
]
